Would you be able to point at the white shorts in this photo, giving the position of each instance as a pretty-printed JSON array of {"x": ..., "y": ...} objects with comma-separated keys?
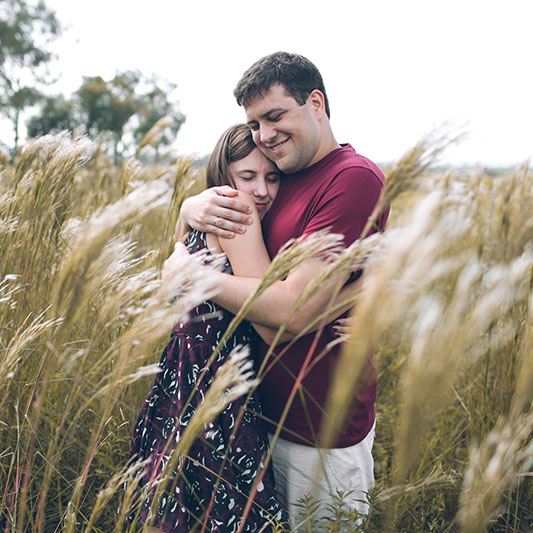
[{"x": 300, "y": 470}]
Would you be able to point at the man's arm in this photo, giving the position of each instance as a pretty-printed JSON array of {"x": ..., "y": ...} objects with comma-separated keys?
[
  {"x": 249, "y": 259},
  {"x": 217, "y": 210},
  {"x": 349, "y": 204},
  {"x": 269, "y": 331},
  {"x": 345, "y": 206},
  {"x": 344, "y": 302},
  {"x": 273, "y": 306}
]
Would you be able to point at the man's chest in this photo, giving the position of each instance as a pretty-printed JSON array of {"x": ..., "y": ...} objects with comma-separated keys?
[{"x": 290, "y": 218}]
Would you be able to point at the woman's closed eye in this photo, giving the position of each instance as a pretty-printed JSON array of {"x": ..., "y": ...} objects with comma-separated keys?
[{"x": 246, "y": 177}]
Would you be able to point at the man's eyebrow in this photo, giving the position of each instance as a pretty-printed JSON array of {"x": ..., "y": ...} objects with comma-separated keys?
[
  {"x": 273, "y": 110},
  {"x": 266, "y": 113}
]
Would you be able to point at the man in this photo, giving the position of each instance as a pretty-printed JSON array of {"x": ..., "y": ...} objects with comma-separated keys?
[{"x": 326, "y": 186}]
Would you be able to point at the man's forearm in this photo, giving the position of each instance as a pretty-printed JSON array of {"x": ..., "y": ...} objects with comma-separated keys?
[
  {"x": 234, "y": 291},
  {"x": 274, "y": 305}
]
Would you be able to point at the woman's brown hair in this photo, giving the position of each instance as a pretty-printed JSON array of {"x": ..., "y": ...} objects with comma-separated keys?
[{"x": 234, "y": 144}]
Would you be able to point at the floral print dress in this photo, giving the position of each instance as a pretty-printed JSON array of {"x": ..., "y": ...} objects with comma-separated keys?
[{"x": 212, "y": 484}]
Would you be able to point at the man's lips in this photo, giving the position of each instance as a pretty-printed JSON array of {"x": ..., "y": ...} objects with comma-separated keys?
[
  {"x": 277, "y": 147},
  {"x": 260, "y": 206}
]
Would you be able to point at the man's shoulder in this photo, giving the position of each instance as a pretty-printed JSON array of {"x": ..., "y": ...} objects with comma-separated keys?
[{"x": 346, "y": 163}]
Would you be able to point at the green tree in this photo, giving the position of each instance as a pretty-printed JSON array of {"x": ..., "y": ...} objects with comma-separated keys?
[
  {"x": 157, "y": 101},
  {"x": 107, "y": 106},
  {"x": 128, "y": 103},
  {"x": 26, "y": 30},
  {"x": 122, "y": 110},
  {"x": 56, "y": 114},
  {"x": 93, "y": 99}
]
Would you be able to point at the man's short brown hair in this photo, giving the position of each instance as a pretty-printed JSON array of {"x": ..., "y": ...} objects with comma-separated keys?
[{"x": 296, "y": 73}]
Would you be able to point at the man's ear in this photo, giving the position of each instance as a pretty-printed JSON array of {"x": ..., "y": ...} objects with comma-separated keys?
[{"x": 317, "y": 102}]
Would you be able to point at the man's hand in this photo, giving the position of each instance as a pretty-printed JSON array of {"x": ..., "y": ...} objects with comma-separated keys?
[
  {"x": 217, "y": 210},
  {"x": 174, "y": 262},
  {"x": 342, "y": 327}
]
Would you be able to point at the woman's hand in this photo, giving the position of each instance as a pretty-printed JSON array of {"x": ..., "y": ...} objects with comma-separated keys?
[{"x": 217, "y": 210}]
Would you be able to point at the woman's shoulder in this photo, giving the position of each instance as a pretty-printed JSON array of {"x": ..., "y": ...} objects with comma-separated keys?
[{"x": 246, "y": 198}]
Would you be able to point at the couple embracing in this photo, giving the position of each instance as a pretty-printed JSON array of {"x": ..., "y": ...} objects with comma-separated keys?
[{"x": 277, "y": 177}]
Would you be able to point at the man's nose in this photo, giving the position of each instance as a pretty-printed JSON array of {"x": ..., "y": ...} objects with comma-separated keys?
[{"x": 267, "y": 133}]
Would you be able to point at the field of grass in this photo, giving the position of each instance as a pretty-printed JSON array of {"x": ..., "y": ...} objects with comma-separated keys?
[{"x": 447, "y": 304}]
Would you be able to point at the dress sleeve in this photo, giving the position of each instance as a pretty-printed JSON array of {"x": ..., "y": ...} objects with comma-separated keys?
[{"x": 346, "y": 204}]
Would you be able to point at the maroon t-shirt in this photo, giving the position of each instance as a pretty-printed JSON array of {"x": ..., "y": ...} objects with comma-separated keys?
[{"x": 339, "y": 192}]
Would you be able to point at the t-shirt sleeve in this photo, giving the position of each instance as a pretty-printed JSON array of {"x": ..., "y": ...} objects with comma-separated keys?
[{"x": 346, "y": 204}]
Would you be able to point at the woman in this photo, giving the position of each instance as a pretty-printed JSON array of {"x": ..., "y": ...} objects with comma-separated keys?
[
  {"x": 223, "y": 464},
  {"x": 164, "y": 415}
]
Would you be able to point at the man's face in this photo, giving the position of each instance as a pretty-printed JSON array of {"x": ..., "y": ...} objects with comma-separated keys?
[{"x": 286, "y": 132}]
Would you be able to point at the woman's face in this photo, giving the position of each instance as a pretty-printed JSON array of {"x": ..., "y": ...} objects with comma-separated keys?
[{"x": 259, "y": 177}]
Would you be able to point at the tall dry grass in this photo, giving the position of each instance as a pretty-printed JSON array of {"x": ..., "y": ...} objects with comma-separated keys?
[{"x": 446, "y": 304}]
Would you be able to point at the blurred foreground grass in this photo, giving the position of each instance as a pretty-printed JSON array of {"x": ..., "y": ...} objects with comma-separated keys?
[{"x": 447, "y": 305}]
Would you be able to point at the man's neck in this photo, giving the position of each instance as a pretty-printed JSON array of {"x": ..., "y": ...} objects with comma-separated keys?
[{"x": 327, "y": 144}]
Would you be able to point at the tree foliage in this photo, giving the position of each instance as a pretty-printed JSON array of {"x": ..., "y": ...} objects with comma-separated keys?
[
  {"x": 108, "y": 106},
  {"x": 26, "y": 30},
  {"x": 156, "y": 102},
  {"x": 56, "y": 115},
  {"x": 121, "y": 110}
]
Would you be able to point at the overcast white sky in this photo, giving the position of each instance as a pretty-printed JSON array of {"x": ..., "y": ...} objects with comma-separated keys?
[{"x": 393, "y": 69}]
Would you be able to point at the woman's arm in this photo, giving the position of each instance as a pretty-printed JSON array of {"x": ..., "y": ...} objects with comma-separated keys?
[
  {"x": 247, "y": 252},
  {"x": 249, "y": 258}
]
